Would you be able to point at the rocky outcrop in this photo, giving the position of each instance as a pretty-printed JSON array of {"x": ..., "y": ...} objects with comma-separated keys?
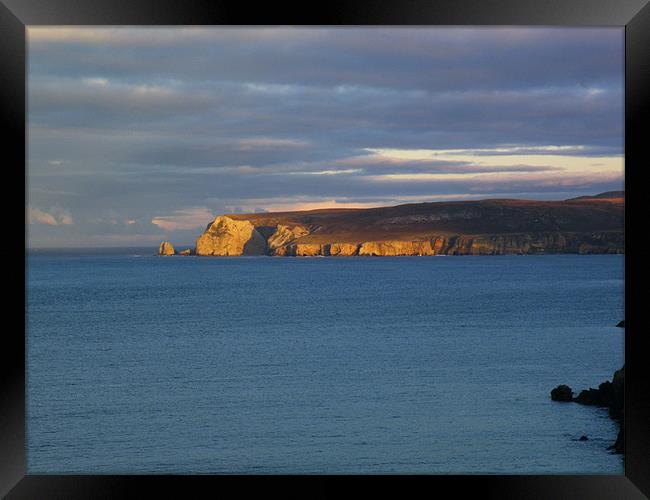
[
  {"x": 187, "y": 251},
  {"x": 619, "y": 444},
  {"x": 344, "y": 249},
  {"x": 166, "y": 248},
  {"x": 609, "y": 395},
  {"x": 303, "y": 250},
  {"x": 226, "y": 236},
  {"x": 284, "y": 236}
]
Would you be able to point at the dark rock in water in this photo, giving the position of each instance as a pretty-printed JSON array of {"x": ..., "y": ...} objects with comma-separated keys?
[
  {"x": 590, "y": 397},
  {"x": 562, "y": 393},
  {"x": 617, "y": 396},
  {"x": 619, "y": 446},
  {"x": 609, "y": 394},
  {"x": 621, "y": 324}
]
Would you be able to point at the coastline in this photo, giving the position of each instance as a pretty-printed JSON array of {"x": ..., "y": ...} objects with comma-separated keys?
[
  {"x": 229, "y": 243},
  {"x": 592, "y": 225}
]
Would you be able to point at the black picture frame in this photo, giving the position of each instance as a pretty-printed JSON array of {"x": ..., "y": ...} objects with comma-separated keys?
[{"x": 634, "y": 15}]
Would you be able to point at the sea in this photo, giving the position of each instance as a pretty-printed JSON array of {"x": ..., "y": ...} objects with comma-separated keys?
[{"x": 138, "y": 364}]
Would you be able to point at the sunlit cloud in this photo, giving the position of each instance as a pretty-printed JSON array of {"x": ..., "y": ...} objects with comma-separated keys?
[
  {"x": 505, "y": 158},
  {"x": 328, "y": 172},
  {"x": 302, "y": 204},
  {"x": 491, "y": 178},
  {"x": 315, "y": 205},
  {"x": 189, "y": 218},
  {"x": 55, "y": 217},
  {"x": 505, "y": 150},
  {"x": 37, "y": 216}
]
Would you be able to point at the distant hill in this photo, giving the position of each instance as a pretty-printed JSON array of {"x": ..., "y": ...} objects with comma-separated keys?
[
  {"x": 587, "y": 224},
  {"x": 609, "y": 195}
]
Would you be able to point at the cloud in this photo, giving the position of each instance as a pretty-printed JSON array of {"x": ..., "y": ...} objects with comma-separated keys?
[
  {"x": 66, "y": 220},
  {"x": 80, "y": 101},
  {"x": 314, "y": 205},
  {"x": 56, "y": 217},
  {"x": 270, "y": 142},
  {"x": 37, "y": 216},
  {"x": 189, "y": 218}
]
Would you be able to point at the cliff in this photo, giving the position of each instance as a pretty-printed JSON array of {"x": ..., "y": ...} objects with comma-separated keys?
[
  {"x": 484, "y": 227},
  {"x": 226, "y": 236},
  {"x": 166, "y": 248}
]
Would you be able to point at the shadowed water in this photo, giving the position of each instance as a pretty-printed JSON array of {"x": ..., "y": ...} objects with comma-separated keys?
[{"x": 141, "y": 364}]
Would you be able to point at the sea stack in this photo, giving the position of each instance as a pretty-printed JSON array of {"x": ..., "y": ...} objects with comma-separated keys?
[{"x": 166, "y": 248}]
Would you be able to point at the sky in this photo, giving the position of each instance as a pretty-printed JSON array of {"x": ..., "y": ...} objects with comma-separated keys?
[{"x": 138, "y": 135}]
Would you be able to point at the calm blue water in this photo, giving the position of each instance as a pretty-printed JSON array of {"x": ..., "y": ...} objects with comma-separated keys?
[{"x": 141, "y": 364}]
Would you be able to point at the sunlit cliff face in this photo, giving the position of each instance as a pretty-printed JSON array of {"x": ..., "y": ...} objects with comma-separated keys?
[{"x": 138, "y": 135}]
